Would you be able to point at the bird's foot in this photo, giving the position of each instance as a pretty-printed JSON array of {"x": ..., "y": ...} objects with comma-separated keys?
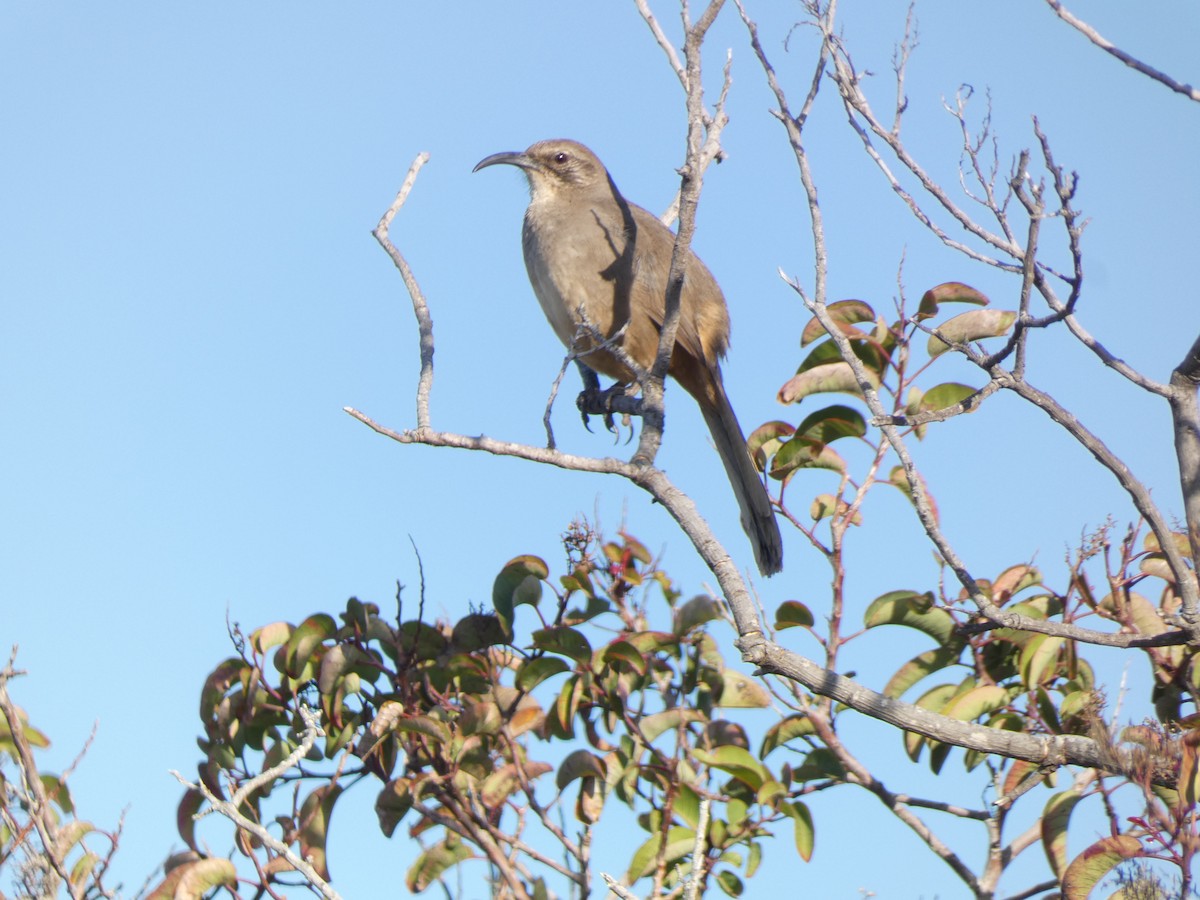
[{"x": 595, "y": 402}]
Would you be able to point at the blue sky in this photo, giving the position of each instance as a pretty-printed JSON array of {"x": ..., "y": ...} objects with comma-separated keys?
[{"x": 191, "y": 294}]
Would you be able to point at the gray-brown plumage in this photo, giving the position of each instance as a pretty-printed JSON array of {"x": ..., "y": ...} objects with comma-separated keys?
[{"x": 587, "y": 248}]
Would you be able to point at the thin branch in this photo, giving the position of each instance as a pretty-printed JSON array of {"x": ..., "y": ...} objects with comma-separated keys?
[
  {"x": 691, "y": 177},
  {"x": 1109, "y": 47},
  {"x": 230, "y": 808},
  {"x": 420, "y": 308},
  {"x": 40, "y": 811},
  {"x": 699, "y": 853}
]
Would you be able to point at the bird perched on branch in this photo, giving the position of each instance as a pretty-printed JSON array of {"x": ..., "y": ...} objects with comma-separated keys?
[{"x": 599, "y": 267}]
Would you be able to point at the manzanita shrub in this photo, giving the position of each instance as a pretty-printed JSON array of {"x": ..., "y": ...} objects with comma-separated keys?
[
  {"x": 616, "y": 692},
  {"x": 500, "y": 740}
]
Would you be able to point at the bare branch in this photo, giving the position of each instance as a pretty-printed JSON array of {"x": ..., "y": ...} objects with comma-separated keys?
[
  {"x": 1109, "y": 47},
  {"x": 420, "y": 308},
  {"x": 41, "y": 814}
]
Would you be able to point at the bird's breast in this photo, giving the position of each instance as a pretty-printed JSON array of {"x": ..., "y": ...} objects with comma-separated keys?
[{"x": 566, "y": 265}]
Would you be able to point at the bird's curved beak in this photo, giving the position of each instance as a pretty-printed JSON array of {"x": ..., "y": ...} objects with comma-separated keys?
[{"x": 508, "y": 158}]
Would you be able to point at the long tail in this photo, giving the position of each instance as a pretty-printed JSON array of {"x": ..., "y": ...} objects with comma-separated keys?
[{"x": 758, "y": 518}]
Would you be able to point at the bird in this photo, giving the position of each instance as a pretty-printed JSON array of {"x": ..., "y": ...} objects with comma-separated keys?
[{"x": 598, "y": 261}]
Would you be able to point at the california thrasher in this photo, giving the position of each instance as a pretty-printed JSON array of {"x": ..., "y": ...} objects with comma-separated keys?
[{"x": 588, "y": 249}]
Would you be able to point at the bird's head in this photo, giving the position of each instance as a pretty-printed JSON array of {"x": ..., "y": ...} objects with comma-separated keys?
[{"x": 554, "y": 168}]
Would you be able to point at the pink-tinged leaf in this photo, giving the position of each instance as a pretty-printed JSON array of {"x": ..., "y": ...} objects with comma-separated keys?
[
  {"x": 950, "y": 292},
  {"x": 765, "y": 441},
  {"x": 943, "y": 396},
  {"x": 827, "y": 378},
  {"x": 192, "y": 880},
  {"x": 1189, "y": 767},
  {"x": 1138, "y": 609},
  {"x": 791, "y": 614},
  {"x": 263, "y": 639},
  {"x": 580, "y": 764},
  {"x": 1091, "y": 866},
  {"x": 1013, "y": 580},
  {"x": 846, "y": 314},
  {"x": 1055, "y": 818},
  {"x": 190, "y": 804},
  {"x": 970, "y": 326}
]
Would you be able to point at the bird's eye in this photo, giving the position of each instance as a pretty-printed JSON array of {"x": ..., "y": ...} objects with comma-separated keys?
[{"x": 561, "y": 158}]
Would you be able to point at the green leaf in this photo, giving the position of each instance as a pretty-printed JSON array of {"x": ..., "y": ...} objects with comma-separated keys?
[
  {"x": 392, "y": 804},
  {"x": 263, "y": 639},
  {"x": 565, "y": 641},
  {"x": 792, "y": 614},
  {"x": 679, "y": 844},
  {"x": 976, "y": 703},
  {"x": 580, "y": 764},
  {"x": 781, "y": 732},
  {"x": 475, "y": 631},
  {"x": 729, "y": 883},
  {"x": 845, "y": 314},
  {"x": 1038, "y": 662},
  {"x": 623, "y": 651},
  {"x": 435, "y": 862},
  {"x": 735, "y": 761},
  {"x": 913, "y": 610},
  {"x": 1094, "y": 863},
  {"x": 425, "y": 725},
  {"x": 805, "y": 453},
  {"x": 827, "y": 378},
  {"x": 805, "y": 834},
  {"x": 949, "y": 292},
  {"x": 918, "y": 668},
  {"x": 694, "y": 613},
  {"x": 653, "y": 725},
  {"x": 1055, "y": 818},
  {"x": 970, "y": 326},
  {"x": 765, "y": 441},
  {"x": 304, "y": 641},
  {"x": 537, "y": 669},
  {"x": 833, "y": 422},
  {"x": 314, "y": 825},
  {"x": 740, "y": 691},
  {"x": 518, "y": 582},
  {"x": 945, "y": 395}
]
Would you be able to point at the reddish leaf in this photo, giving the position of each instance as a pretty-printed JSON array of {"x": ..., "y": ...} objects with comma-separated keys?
[
  {"x": 845, "y": 313},
  {"x": 950, "y": 292}
]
